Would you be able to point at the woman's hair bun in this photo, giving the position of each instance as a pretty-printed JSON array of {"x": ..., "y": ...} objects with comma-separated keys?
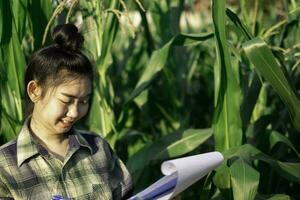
[{"x": 66, "y": 36}]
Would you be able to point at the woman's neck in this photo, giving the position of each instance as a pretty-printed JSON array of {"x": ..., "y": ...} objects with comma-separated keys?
[{"x": 56, "y": 143}]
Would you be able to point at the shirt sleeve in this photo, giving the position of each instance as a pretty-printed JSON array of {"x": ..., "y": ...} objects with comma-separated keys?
[
  {"x": 120, "y": 177},
  {"x": 125, "y": 181}
]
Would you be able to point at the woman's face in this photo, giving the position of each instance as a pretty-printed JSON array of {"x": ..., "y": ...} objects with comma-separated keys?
[{"x": 63, "y": 105}]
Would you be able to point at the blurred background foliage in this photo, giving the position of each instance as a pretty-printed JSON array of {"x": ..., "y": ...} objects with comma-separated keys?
[{"x": 176, "y": 78}]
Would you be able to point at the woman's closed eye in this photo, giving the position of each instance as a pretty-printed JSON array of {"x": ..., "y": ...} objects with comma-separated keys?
[
  {"x": 84, "y": 101},
  {"x": 70, "y": 101},
  {"x": 66, "y": 101}
]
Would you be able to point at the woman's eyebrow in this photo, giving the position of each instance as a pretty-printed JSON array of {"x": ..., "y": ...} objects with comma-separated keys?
[{"x": 75, "y": 97}]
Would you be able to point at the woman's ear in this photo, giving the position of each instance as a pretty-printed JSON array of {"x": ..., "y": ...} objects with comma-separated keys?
[{"x": 34, "y": 91}]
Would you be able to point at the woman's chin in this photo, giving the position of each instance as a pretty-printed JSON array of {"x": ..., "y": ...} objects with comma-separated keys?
[{"x": 63, "y": 127}]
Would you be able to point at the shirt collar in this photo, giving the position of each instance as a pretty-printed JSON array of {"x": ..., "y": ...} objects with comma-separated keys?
[
  {"x": 76, "y": 139},
  {"x": 27, "y": 147}
]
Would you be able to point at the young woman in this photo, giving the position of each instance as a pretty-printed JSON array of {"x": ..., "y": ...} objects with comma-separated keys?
[{"x": 50, "y": 158}]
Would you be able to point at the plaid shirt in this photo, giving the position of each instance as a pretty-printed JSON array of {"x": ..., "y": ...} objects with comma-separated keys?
[{"x": 90, "y": 169}]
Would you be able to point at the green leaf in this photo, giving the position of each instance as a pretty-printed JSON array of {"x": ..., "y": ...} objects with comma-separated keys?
[
  {"x": 159, "y": 58},
  {"x": 227, "y": 121},
  {"x": 264, "y": 61},
  {"x": 9, "y": 101},
  {"x": 244, "y": 180},
  {"x": 172, "y": 145},
  {"x": 100, "y": 32},
  {"x": 141, "y": 99},
  {"x": 19, "y": 10},
  {"x": 9, "y": 128},
  {"x": 290, "y": 171},
  {"x": 109, "y": 30},
  {"x": 280, "y": 197},
  {"x": 5, "y": 22},
  {"x": 157, "y": 61},
  {"x": 101, "y": 118},
  {"x": 239, "y": 24},
  {"x": 245, "y": 11},
  {"x": 92, "y": 28},
  {"x": 276, "y": 137},
  {"x": 14, "y": 66},
  {"x": 252, "y": 96},
  {"x": 222, "y": 177},
  {"x": 40, "y": 12}
]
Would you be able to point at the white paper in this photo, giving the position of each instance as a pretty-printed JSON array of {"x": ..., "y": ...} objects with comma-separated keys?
[
  {"x": 186, "y": 170},
  {"x": 190, "y": 169}
]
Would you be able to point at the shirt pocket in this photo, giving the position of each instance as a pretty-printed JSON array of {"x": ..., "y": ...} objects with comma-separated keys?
[{"x": 37, "y": 192}]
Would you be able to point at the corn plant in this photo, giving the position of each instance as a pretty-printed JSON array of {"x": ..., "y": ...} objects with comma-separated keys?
[
  {"x": 238, "y": 119},
  {"x": 163, "y": 90},
  {"x": 22, "y": 25}
]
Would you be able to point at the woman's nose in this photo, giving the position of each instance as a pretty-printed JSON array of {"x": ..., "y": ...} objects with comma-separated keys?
[{"x": 73, "y": 111}]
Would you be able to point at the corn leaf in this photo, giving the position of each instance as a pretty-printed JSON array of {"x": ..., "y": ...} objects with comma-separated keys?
[
  {"x": 9, "y": 101},
  {"x": 14, "y": 64},
  {"x": 264, "y": 61},
  {"x": 290, "y": 171},
  {"x": 5, "y": 22},
  {"x": 227, "y": 121},
  {"x": 239, "y": 24},
  {"x": 20, "y": 16},
  {"x": 100, "y": 119},
  {"x": 245, "y": 11},
  {"x": 252, "y": 97},
  {"x": 40, "y": 12},
  {"x": 92, "y": 28},
  {"x": 280, "y": 197},
  {"x": 9, "y": 128},
  {"x": 157, "y": 61},
  {"x": 276, "y": 137},
  {"x": 251, "y": 93},
  {"x": 110, "y": 28},
  {"x": 159, "y": 58},
  {"x": 172, "y": 145},
  {"x": 244, "y": 180},
  {"x": 222, "y": 180},
  {"x": 100, "y": 34}
]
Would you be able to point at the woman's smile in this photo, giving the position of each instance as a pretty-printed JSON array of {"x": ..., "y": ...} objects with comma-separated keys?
[
  {"x": 67, "y": 123},
  {"x": 62, "y": 106}
]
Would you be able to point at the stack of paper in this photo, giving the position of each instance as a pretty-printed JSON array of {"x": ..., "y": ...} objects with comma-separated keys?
[{"x": 180, "y": 174}]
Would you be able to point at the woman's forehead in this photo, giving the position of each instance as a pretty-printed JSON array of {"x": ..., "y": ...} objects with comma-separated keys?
[{"x": 78, "y": 87}]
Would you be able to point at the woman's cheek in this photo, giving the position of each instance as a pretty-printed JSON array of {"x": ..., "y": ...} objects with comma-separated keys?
[
  {"x": 58, "y": 109},
  {"x": 83, "y": 110}
]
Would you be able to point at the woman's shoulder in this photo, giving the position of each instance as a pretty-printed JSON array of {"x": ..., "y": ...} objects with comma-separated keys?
[
  {"x": 96, "y": 142},
  {"x": 91, "y": 137},
  {"x": 9, "y": 146},
  {"x": 89, "y": 134},
  {"x": 8, "y": 153}
]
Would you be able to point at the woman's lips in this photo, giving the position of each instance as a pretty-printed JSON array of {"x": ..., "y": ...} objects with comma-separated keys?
[{"x": 67, "y": 122}]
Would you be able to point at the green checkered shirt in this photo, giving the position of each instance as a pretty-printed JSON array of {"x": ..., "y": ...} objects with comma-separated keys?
[{"x": 89, "y": 171}]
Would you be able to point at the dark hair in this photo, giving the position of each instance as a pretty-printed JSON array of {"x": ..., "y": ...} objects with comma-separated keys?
[{"x": 50, "y": 66}]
